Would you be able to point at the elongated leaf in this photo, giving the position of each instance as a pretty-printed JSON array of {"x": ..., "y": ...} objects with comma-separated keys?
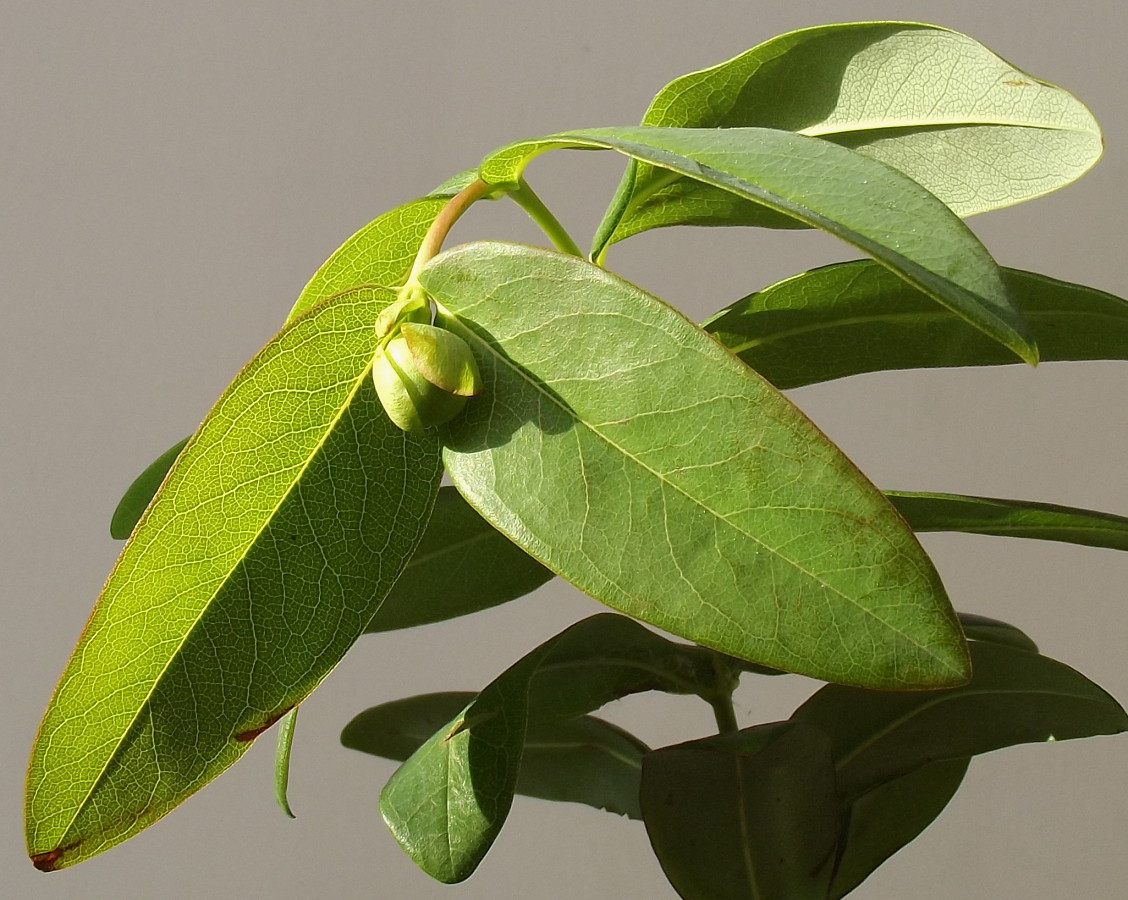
[
  {"x": 283, "y": 524},
  {"x": 882, "y": 821},
  {"x": 138, "y": 495},
  {"x": 853, "y": 197},
  {"x": 746, "y": 816},
  {"x": 462, "y": 565},
  {"x": 856, "y": 317},
  {"x": 982, "y": 628},
  {"x": 640, "y": 460},
  {"x": 448, "y": 801},
  {"x": 1011, "y": 518},
  {"x": 1014, "y": 697},
  {"x": 939, "y": 106},
  {"x": 582, "y": 760},
  {"x": 380, "y": 254},
  {"x": 286, "y": 727}
]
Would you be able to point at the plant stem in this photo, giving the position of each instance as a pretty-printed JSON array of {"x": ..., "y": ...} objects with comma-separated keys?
[
  {"x": 444, "y": 221},
  {"x": 721, "y": 701},
  {"x": 532, "y": 204}
]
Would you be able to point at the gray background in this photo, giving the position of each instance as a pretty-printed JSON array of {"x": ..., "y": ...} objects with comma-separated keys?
[{"x": 170, "y": 175}]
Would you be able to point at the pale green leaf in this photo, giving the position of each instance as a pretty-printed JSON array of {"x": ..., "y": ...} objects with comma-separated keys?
[
  {"x": 745, "y": 816},
  {"x": 853, "y": 197},
  {"x": 462, "y": 565},
  {"x": 286, "y": 727},
  {"x": 1011, "y": 518},
  {"x": 282, "y": 525},
  {"x": 1014, "y": 697},
  {"x": 949, "y": 113},
  {"x": 581, "y": 760},
  {"x": 618, "y": 444},
  {"x": 855, "y": 317}
]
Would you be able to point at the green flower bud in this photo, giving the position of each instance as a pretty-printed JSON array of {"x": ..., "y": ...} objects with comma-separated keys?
[
  {"x": 443, "y": 358},
  {"x": 410, "y": 400}
]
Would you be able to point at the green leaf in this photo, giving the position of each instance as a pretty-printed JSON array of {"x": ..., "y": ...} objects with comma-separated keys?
[
  {"x": 744, "y": 816},
  {"x": 138, "y": 495},
  {"x": 286, "y": 727},
  {"x": 639, "y": 459},
  {"x": 933, "y": 103},
  {"x": 855, "y": 317},
  {"x": 882, "y": 821},
  {"x": 462, "y": 565},
  {"x": 282, "y": 525},
  {"x": 582, "y": 760},
  {"x": 981, "y": 628},
  {"x": 448, "y": 801},
  {"x": 858, "y": 199},
  {"x": 1014, "y": 697},
  {"x": 1011, "y": 518}
]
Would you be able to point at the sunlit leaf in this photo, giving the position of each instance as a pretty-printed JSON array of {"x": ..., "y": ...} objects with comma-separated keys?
[
  {"x": 282, "y": 525},
  {"x": 855, "y": 317},
  {"x": 639, "y": 459},
  {"x": 936, "y": 104},
  {"x": 744, "y": 816},
  {"x": 858, "y": 199}
]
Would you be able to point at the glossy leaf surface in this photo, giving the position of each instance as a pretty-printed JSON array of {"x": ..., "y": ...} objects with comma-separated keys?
[
  {"x": 626, "y": 450},
  {"x": 862, "y": 201},
  {"x": 1011, "y": 518},
  {"x": 581, "y": 760},
  {"x": 882, "y": 821},
  {"x": 856, "y": 317},
  {"x": 283, "y": 524},
  {"x": 744, "y": 816},
  {"x": 448, "y": 801},
  {"x": 982, "y": 628},
  {"x": 1014, "y": 697},
  {"x": 462, "y": 565},
  {"x": 933, "y": 103}
]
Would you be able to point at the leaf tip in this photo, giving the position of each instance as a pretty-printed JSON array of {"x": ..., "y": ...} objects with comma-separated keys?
[{"x": 49, "y": 861}]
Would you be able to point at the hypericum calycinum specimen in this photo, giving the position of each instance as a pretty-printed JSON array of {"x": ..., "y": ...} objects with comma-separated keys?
[{"x": 423, "y": 374}]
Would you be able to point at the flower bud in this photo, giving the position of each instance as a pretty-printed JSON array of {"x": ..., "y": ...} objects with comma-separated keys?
[
  {"x": 411, "y": 401},
  {"x": 443, "y": 358}
]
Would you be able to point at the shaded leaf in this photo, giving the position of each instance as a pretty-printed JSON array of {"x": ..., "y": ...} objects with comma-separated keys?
[
  {"x": 936, "y": 104},
  {"x": 282, "y": 525},
  {"x": 138, "y": 495},
  {"x": 855, "y": 317},
  {"x": 858, "y": 199},
  {"x": 882, "y": 821},
  {"x": 1011, "y": 518},
  {"x": 744, "y": 816},
  {"x": 462, "y": 565},
  {"x": 446, "y": 804},
  {"x": 981, "y": 628},
  {"x": 1014, "y": 697},
  {"x": 582, "y": 760},
  {"x": 640, "y": 460}
]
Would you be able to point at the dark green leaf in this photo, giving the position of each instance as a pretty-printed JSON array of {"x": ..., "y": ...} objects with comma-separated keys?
[
  {"x": 858, "y": 199},
  {"x": 640, "y": 460},
  {"x": 582, "y": 760},
  {"x": 462, "y": 565},
  {"x": 1014, "y": 697},
  {"x": 856, "y": 317},
  {"x": 882, "y": 821},
  {"x": 283, "y": 524},
  {"x": 745, "y": 816},
  {"x": 942, "y": 108},
  {"x": 1011, "y": 518},
  {"x": 981, "y": 628},
  {"x": 138, "y": 495}
]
